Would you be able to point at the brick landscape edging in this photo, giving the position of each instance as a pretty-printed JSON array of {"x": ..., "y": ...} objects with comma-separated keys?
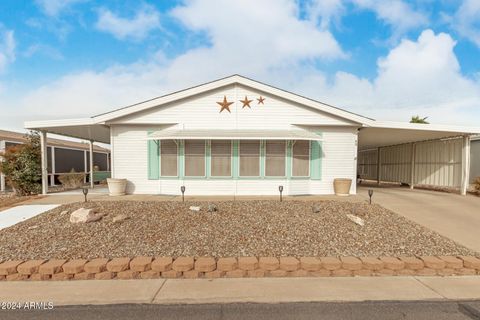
[{"x": 209, "y": 267}]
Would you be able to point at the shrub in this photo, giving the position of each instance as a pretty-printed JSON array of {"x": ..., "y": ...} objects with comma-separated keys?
[
  {"x": 476, "y": 184},
  {"x": 72, "y": 179},
  {"x": 21, "y": 166}
]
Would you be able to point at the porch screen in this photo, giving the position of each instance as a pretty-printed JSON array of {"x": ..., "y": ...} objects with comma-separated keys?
[
  {"x": 275, "y": 158},
  {"x": 301, "y": 156},
  {"x": 168, "y": 158},
  {"x": 194, "y": 158},
  {"x": 250, "y": 158},
  {"x": 221, "y": 158}
]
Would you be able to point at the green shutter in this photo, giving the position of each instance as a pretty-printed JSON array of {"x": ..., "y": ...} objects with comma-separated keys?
[
  {"x": 235, "y": 160},
  {"x": 153, "y": 160},
  {"x": 316, "y": 160}
]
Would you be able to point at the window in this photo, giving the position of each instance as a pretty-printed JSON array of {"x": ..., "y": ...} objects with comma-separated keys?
[
  {"x": 301, "y": 157},
  {"x": 250, "y": 158},
  {"x": 168, "y": 158},
  {"x": 221, "y": 158},
  {"x": 194, "y": 158},
  {"x": 275, "y": 158}
]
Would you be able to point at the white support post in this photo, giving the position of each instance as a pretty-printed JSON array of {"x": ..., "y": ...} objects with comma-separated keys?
[
  {"x": 52, "y": 175},
  {"x": 91, "y": 163},
  {"x": 43, "y": 145},
  {"x": 412, "y": 167},
  {"x": 379, "y": 165},
  {"x": 2, "y": 176},
  {"x": 85, "y": 166},
  {"x": 465, "y": 165}
]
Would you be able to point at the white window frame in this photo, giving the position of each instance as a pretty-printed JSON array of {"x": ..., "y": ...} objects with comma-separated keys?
[
  {"x": 309, "y": 160},
  {"x": 178, "y": 158},
  {"x": 259, "y": 159}
]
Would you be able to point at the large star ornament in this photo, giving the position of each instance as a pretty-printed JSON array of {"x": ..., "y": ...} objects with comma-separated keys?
[
  {"x": 225, "y": 105},
  {"x": 246, "y": 102}
]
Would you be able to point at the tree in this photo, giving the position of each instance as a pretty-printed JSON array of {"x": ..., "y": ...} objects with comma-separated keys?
[
  {"x": 417, "y": 119},
  {"x": 22, "y": 166}
]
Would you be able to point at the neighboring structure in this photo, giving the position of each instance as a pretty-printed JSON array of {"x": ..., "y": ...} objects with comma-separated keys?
[
  {"x": 62, "y": 156},
  {"x": 236, "y": 136},
  {"x": 475, "y": 161}
]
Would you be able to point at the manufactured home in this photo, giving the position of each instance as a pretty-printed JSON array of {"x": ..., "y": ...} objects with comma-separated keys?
[{"x": 237, "y": 136}]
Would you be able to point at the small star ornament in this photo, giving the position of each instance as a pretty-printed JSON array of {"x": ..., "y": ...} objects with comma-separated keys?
[
  {"x": 225, "y": 105},
  {"x": 246, "y": 102},
  {"x": 261, "y": 100}
]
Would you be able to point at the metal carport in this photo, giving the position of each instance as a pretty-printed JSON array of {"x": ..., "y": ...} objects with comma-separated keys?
[{"x": 415, "y": 154}]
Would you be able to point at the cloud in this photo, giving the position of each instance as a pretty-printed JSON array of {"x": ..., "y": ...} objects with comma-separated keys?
[
  {"x": 7, "y": 48},
  {"x": 146, "y": 19},
  {"x": 55, "y": 7},
  {"x": 466, "y": 21},
  {"x": 396, "y": 13},
  {"x": 420, "y": 76},
  {"x": 325, "y": 11}
]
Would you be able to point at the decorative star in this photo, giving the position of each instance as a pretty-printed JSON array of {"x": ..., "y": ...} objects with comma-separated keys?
[
  {"x": 260, "y": 100},
  {"x": 225, "y": 104},
  {"x": 246, "y": 102}
]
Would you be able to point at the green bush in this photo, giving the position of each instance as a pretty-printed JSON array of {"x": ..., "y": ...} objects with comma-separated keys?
[
  {"x": 72, "y": 179},
  {"x": 476, "y": 184},
  {"x": 21, "y": 166}
]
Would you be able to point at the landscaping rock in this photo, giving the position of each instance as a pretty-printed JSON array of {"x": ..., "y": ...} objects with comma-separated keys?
[
  {"x": 356, "y": 219},
  {"x": 120, "y": 218},
  {"x": 83, "y": 215},
  {"x": 316, "y": 209},
  {"x": 193, "y": 208},
  {"x": 212, "y": 208}
]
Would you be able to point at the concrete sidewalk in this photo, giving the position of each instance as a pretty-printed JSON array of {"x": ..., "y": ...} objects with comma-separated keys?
[{"x": 266, "y": 290}]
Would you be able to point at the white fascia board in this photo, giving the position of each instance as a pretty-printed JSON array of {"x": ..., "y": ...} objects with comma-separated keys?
[
  {"x": 425, "y": 127},
  {"x": 226, "y": 82},
  {"x": 58, "y": 123}
]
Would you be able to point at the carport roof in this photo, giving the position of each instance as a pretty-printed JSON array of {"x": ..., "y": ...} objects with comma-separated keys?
[{"x": 387, "y": 133}]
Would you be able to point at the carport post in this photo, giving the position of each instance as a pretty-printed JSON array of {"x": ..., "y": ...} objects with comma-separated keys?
[
  {"x": 44, "y": 161},
  {"x": 412, "y": 166},
  {"x": 465, "y": 165},
  {"x": 379, "y": 165},
  {"x": 91, "y": 163}
]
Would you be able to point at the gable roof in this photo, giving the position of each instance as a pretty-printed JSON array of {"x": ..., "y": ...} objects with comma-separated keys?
[{"x": 234, "y": 79}]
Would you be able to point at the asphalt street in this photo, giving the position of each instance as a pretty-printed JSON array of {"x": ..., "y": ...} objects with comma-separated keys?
[{"x": 440, "y": 310}]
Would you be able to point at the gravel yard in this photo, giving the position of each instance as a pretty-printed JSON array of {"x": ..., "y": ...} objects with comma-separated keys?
[{"x": 241, "y": 228}]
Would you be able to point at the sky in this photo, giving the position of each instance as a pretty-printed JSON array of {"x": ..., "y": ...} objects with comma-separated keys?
[{"x": 384, "y": 59}]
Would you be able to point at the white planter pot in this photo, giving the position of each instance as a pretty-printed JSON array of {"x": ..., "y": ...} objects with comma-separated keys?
[
  {"x": 342, "y": 187},
  {"x": 117, "y": 187}
]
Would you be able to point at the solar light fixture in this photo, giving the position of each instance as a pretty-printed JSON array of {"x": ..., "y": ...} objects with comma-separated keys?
[
  {"x": 280, "y": 188},
  {"x": 182, "y": 189},
  {"x": 85, "y": 192},
  {"x": 370, "y": 194}
]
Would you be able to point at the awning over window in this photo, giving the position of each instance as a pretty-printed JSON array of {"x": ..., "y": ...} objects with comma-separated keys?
[{"x": 240, "y": 134}]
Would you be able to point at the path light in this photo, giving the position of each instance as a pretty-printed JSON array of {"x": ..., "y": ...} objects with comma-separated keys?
[
  {"x": 280, "y": 188},
  {"x": 182, "y": 188},
  {"x": 85, "y": 192},
  {"x": 370, "y": 194}
]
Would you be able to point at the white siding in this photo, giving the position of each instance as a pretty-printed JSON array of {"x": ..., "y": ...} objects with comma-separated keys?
[
  {"x": 130, "y": 161},
  {"x": 203, "y": 112}
]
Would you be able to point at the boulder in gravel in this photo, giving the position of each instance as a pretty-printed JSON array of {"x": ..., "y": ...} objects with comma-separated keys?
[
  {"x": 212, "y": 208},
  {"x": 356, "y": 219},
  {"x": 64, "y": 212},
  {"x": 120, "y": 218},
  {"x": 83, "y": 215},
  {"x": 193, "y": 208},
  {"x": 316, "y": 209}
]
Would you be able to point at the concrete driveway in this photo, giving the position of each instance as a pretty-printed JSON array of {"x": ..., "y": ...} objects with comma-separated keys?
[{"x": 454, "y": 216}]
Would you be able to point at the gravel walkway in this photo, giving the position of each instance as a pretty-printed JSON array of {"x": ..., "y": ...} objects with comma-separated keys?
[{"x": 241, "y": 228}]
